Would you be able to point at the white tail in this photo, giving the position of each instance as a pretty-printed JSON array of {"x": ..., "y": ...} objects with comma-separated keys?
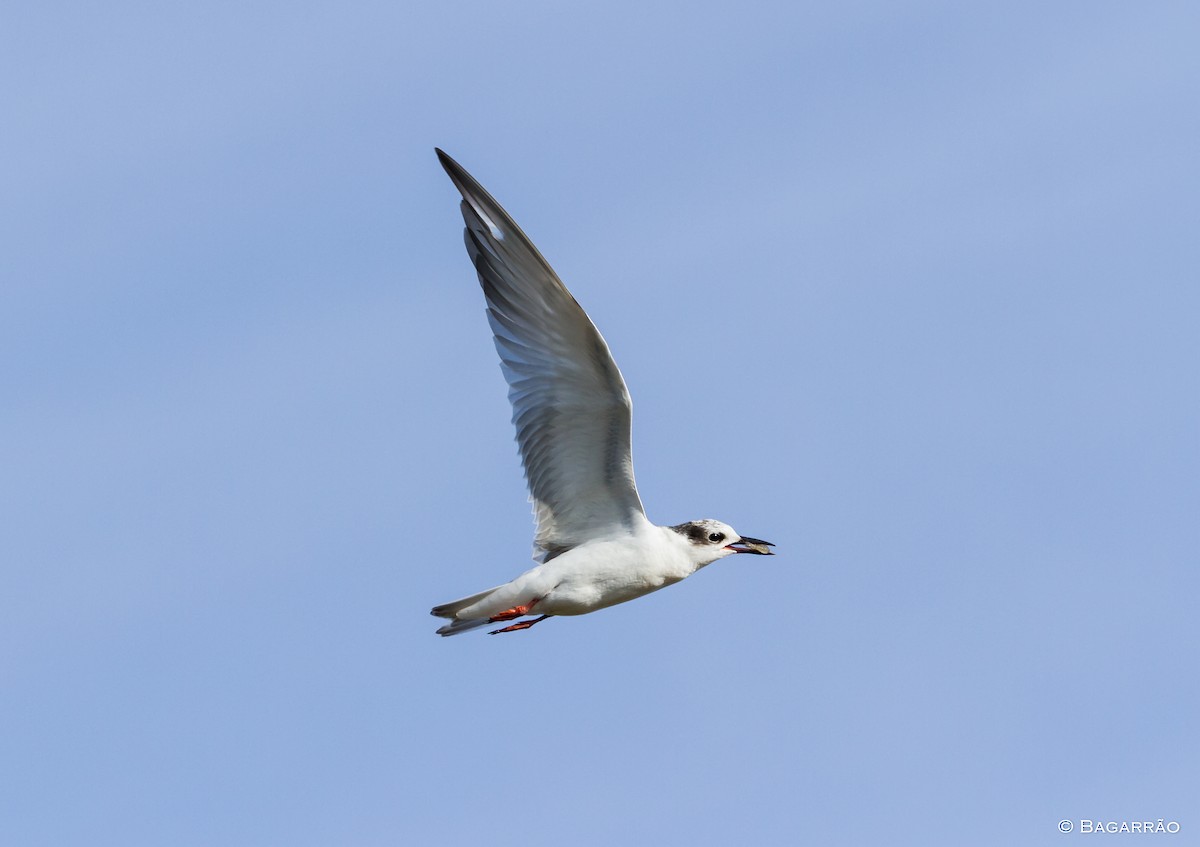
[
  {"x": 462, "y": 626},
  {"x": 451, "y": 610}
]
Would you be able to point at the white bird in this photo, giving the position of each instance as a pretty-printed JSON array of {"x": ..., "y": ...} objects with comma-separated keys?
[{"x": 594, "y": 545}]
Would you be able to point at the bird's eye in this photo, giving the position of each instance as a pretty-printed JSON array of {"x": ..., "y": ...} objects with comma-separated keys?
[{"x": 716, "y": 537}]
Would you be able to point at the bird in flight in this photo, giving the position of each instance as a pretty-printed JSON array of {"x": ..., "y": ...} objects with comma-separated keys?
[{"x": 594, "y": 545}]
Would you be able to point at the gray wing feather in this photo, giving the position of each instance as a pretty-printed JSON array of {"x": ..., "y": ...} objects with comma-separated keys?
[{"x": 571, "y": 408}]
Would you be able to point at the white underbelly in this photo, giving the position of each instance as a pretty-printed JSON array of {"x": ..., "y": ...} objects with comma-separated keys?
[{"x": 580, "y": 595}]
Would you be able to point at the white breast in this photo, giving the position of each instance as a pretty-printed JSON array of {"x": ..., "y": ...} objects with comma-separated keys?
[{"x": 605, "y": 573}]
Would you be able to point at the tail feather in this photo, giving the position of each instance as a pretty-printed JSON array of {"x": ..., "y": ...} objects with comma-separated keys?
[
  {"x": 462, "y": 626},
  {"x": 451, "y": 610}
]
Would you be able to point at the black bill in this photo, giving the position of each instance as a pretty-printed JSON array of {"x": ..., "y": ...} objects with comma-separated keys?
[{"x": 751, "y": 545}]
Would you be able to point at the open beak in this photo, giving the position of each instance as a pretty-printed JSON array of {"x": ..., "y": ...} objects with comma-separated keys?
[{"x": 751, "y": 545}]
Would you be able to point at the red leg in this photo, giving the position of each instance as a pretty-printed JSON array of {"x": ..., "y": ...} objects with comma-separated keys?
[
  {"x": 514, "y": 612},
  {"x": 517, "y": 626}
]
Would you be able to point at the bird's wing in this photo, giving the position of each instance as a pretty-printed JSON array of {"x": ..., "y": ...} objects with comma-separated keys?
[{"x": 570, "y": 404}]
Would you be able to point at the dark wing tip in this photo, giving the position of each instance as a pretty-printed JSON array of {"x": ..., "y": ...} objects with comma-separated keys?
[
  {"x": 463, "y": 181},
  {"x": 485, "y": 207},
  {"x": 453, "y": 169}
]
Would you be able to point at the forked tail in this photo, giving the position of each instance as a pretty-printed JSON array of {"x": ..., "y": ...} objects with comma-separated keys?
[{"x": 451, "y": 610}]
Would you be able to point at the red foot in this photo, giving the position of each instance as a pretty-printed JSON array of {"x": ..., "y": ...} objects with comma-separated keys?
[
  {"x": 517, "y": 626},
  {"x": 514, "y": 612}
]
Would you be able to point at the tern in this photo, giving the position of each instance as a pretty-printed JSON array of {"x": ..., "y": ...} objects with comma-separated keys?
[{"x": 593, "y": 544}]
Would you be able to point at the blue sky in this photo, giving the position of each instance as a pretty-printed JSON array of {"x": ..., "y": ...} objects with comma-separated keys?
[{"x": 908, "y": 289}]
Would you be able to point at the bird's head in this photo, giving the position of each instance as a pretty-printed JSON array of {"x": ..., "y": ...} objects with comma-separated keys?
[{"x": 709, "y": 540}]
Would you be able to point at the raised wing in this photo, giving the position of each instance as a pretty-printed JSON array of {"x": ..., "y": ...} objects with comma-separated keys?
[{"x": 570, "y": 404}]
